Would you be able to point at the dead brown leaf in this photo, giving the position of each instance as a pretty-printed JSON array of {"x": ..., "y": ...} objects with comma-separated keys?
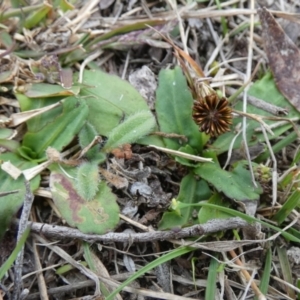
[
  {"x": 122, "y": 152},
  {"x": 284, "y": 57},
  {"x": 117, "y": 181}
]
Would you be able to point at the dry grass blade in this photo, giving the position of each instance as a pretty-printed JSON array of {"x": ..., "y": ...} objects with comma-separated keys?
[{"x": 71, "y": 261}]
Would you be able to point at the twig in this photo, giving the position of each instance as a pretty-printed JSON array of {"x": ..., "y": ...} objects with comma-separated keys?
[
  {"x": 126, "y": 65},
  {"x": 61, "y": 232},
  {"x": 145, "y": 7},
  {"x": 71, "y": 261},
  {"x": 64, "y": 289},
  {"x": 2, "y": 194},
  {"x": 274, "y": 168},
  {"x": 23, "y": 224},
  {"x": 279, "y": 124},
  {"x": 247, "y": 77},
  {"x": 271, "y": 108},
  {"x": 182, "y": 154},
  {"x": 230, "y": 149},
  {"x": 287, "y": 172},
  {"x": 226, "y": 63},
  {"x": 248, "y": 285},
  {"x": 90, "y": 58},
  {"x": 286, "y": 283},
  {"x": 84, "y": 14},
  {"x": 171, "y": 135},
  {"x": 5, "y": 290},
  {"x": 40, "y": 277},
  {"x": 218, "y": 43},
  {"x": 8, "y": 51},
  {"x": 136, "y": 224},
  {"x": 115, "y": 284},
  {"x": 255, "y": 117},
  {"x": 259, "y": 119},
  {"x": 247, "y": 276}
]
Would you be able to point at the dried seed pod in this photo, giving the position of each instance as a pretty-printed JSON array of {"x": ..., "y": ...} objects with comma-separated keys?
[{"x": 212, "y": 114}]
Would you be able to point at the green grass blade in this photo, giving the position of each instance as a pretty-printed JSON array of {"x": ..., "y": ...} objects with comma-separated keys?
[
  {"x": 285, "y": 141},
  {"x": 173, "y": 254},
  {"x": 8, "y": 263},
  {"x": 294, "y": 232},
  {"x": 210, "y": 290},
  {"x": 223, "y": 20},
  {"x": 287, "y": 207},
  {"x": 286, "y": 270},
  {"x": 19, "y": 11},
  {"x": 265, "y": 279},
  {"x": 296, "y": 159},
  {"x": 247, "y": 218},
  {"x": 37, "y": 16}
]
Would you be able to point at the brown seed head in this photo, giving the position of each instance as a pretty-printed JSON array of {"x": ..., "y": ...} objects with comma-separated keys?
[{"x": 212, "y": 114}]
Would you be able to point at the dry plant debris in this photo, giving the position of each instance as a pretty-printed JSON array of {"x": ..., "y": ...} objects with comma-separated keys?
[
  {"x": 130, "y": 169},
  {"x": 283, "y": 56}
]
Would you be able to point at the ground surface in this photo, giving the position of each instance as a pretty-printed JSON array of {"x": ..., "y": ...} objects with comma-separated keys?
[{"x": 142, "y": 187}]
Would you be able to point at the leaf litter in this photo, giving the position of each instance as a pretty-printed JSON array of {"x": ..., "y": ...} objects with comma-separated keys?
[
  {"x": 101, "y": 130},
  {"x": 283, "y": 56}
]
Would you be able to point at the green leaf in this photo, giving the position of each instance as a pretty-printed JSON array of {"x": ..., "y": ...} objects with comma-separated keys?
[
  {"x": 235, "y": 185},
  {"x": 46, "y": 90},
  {"x": 111, "y": 99},
  {"x": 86, "y": 136},
  {"x": 87, "y": 180},
  {"x": 38, "y": 122},
  {"x": 191, "y": 191},
  {"x": 6, "y": 133},
  {"x": 68, "y": 267},
  {"x": 11, "y": 203},
  {"x": 206, "y": 214},
  {"x": 174, "y": 110},
  {"x": 10, "y": 145},
  {"x": 183, "y": 161},
  {"x": 134, "y": 127},
  {"x": 60, "y": 131},
  {"x": 65, "y": 5},
  {"x": 266, "y": 90},
  {"x": 6, "y": 39},
  {"x": 96, "y": 216}
]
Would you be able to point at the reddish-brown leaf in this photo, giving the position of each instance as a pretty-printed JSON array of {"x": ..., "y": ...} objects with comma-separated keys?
[{"x": 284, "y": 57}]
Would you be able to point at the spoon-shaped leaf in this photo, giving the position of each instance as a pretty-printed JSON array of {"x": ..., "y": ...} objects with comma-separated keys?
[{"x": 95, "y": 216}]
